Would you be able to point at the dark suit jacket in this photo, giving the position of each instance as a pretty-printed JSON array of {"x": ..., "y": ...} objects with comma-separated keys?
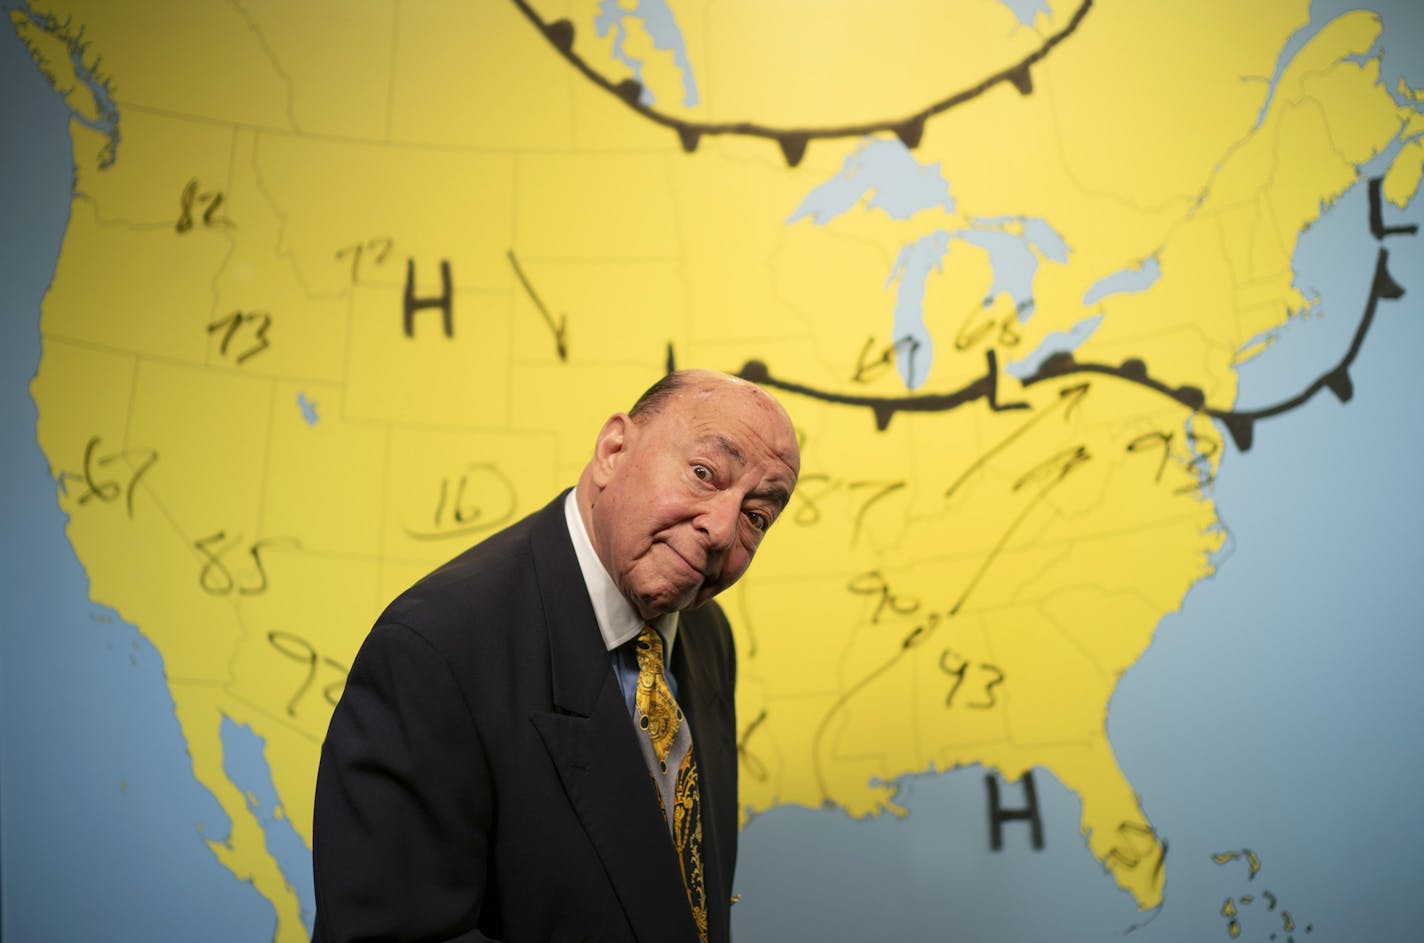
[{"x": 481, "y": 778}]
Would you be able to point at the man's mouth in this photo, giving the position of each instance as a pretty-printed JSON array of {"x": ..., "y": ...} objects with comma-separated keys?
[{"x": 694, "y": 568}]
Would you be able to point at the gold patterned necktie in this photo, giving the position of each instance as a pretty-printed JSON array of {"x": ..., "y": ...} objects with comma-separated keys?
[{"x": 659, "y": 717}]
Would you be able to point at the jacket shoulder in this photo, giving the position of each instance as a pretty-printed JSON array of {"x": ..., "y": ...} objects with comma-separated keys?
[{"x": 492, "y": 580}]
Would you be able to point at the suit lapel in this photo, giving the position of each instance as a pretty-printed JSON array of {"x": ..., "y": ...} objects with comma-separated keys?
[{"x": 590, "y": 739}]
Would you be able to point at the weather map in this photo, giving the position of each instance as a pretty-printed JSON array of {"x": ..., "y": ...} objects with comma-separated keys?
[{"x": 344, "y": 288}]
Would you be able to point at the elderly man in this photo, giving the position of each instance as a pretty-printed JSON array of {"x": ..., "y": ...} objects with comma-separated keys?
[{"x": 536, "y": 741}]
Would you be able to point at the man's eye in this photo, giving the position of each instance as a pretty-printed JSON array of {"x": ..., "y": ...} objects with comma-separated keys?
[
  {"x": 758, "y": 519},
  {"x": 702, "y": 472}
]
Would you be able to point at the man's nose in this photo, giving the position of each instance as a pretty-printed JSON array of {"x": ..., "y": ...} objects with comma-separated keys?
[{"x": 719, "y": 518}]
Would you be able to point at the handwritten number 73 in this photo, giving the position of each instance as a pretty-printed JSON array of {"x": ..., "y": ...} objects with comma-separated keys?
[{"x": 258, "y": 321}]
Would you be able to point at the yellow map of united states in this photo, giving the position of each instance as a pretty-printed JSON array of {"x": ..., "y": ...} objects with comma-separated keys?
[{"x": 351, "y": 285}]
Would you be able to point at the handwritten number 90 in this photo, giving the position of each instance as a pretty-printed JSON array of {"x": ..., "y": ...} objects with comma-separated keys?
[{"x": 300, "y": 650}]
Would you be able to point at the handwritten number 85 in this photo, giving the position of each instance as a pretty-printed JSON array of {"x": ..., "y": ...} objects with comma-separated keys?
[{"x": 300, "y": 650}]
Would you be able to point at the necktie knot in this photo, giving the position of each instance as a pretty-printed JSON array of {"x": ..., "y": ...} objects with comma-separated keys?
[{"x": 658, "y": 713}]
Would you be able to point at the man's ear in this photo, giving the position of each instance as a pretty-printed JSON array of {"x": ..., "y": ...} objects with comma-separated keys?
[{"x": 613, "y": 441}]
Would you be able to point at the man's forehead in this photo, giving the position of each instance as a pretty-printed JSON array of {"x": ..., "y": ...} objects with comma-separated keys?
[
  {"x": 743, "y": 436},
  {"x": 780, "y": 474},
  {"x": 731, "y": 415},
  {"x": 734, "y": 397},
  {"x": 721, "y": 442}
]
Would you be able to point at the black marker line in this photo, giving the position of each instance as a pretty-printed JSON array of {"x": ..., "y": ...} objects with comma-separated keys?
[
  {"x": 1068, "y": 397},
  {"x": 465, "y": 531},
  {"x": 885, "y": 407},
  {"x": 755, "y": 766},
  {"x": 922, "y": 633},
  {"x": 1075, "y": 460},
  {"x": 1377, "y": 226},
  {"x": 914, "y": 638},
  {"x": 558, "y": 329},
  {"x": 1241, "y": 423},
  {"x": 793, "y": 141}
]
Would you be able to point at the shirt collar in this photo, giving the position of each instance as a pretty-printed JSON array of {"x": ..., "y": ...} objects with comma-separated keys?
[{"x": 618, "y": 621}]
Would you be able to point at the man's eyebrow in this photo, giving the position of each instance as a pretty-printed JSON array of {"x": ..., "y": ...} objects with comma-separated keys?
[
  {"x": 726, "y": 445},
  {"x": 777, "y": 495}
]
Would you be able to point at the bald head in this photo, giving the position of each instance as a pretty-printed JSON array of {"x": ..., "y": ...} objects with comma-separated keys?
[
  {"x": 705, "y": 382},
  {"x": 682, "y": 488}
]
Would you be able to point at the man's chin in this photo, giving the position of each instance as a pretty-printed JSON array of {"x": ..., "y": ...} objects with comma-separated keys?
[{"x": 656, "y": 605}]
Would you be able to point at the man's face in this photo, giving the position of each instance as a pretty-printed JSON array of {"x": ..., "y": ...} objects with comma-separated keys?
[{"x": 685, "y": 495}]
